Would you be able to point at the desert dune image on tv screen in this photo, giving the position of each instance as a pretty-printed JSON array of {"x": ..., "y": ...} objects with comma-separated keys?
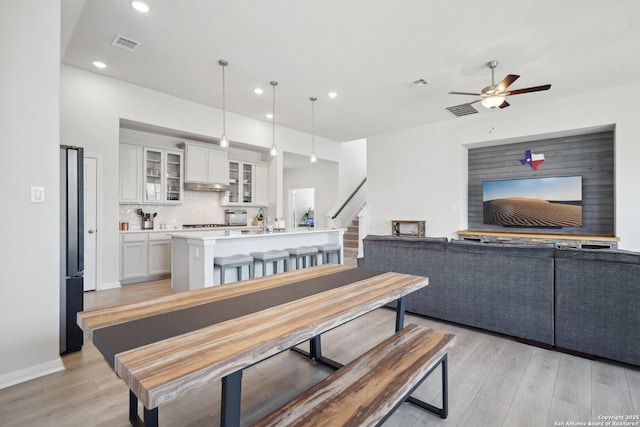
[{"x": 537, "y": 202}]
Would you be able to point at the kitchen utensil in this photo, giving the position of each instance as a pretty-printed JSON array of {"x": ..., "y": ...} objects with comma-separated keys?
[{"x": 147, "y": 219}]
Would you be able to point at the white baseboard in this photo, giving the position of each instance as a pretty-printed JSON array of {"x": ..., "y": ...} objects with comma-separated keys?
[
  {"x": 111, "y": 285},
  {"x": 26, "y": 374}
]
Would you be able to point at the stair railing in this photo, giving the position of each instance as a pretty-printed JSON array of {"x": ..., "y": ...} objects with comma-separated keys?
[{"x": 349, "y": 208}]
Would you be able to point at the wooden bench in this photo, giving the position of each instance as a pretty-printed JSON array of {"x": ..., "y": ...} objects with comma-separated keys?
[{"x": 368, "y": 390}]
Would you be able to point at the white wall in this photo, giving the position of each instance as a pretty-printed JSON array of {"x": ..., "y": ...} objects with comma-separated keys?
[
  {"x": 353, "y": 172},
  {"x": 421, "y": 173},
  {"x": 29, "y": 115},
  {"x": 92, "y": 106},
  {"x": 323, "y": 177}
]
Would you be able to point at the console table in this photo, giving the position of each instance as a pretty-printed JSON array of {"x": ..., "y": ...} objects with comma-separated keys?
[{"x": 580, "y": 241}]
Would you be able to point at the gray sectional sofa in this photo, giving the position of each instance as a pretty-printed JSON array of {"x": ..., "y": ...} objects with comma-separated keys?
[{"x": 578, "y": 300}]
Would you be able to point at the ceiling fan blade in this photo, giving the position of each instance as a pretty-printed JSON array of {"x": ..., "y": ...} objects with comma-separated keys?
[
  {"x": 506, "y": 82},
  {"x": 464, "y": 93},
  {"x": 528, "y": 89},
  {"x": 504, "y": 104}
]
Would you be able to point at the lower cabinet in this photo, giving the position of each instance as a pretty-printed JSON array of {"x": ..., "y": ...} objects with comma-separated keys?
[
  {"x": 144, "y": 256},
  {"x": 159, "y": 254}
]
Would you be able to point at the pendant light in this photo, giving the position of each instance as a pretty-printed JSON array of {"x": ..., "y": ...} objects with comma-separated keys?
[
  {"x": 273, "y": 150},
  {"x": 313, "y": 158},
  {"x": 224, "y": 142}
]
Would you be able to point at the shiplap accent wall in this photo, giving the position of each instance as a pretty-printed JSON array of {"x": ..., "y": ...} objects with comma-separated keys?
[{"x": 590, "y": 156}]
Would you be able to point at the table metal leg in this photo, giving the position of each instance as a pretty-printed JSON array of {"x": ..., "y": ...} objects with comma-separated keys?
[
  {"x": 315, "y": 347},
  {"x": 133, "y": 408},
  {"x": 231, "y": 396},
  {"x": 151, "y": 417},
  {"x": 400, "y": 308}
]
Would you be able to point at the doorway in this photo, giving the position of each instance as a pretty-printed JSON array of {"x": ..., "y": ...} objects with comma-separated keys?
[
  {"x": 302, "y": 207},
  {"x": 90, "y": 223}
]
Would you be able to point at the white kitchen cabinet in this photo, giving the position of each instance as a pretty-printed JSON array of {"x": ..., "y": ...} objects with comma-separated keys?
[
  {"x": 130, "y": 173},
  {"x": 261, "y": 184},
  {"x": 244, "y": 186},
  {"x": 159, "y": 254},
  {"x": 133, "y": 256},
  {"x": 204, "y": 165},
  {"x": 162, "y": 176},
  {"x": 144, "y": 256}
]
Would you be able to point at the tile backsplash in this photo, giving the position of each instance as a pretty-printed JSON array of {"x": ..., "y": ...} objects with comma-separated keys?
[{"x": 198, "y": 207}]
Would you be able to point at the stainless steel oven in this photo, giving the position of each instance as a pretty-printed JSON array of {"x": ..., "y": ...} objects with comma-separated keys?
[{"x": 235, "y": 217}]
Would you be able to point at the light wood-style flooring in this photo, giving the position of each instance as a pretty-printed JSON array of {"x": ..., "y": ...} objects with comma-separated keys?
[{"x": 493, "y": 381}]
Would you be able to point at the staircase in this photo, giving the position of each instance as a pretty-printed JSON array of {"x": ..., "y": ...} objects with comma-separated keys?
[{"x": 350, "y": 242}]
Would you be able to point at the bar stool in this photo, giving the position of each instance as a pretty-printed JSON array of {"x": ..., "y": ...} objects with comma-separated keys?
[
  {"x": 271, "y": 256},
  {"x": 237, "y": 261},
  {"x": 301, "y": 253},
  {"x": 325, "y": 251}
]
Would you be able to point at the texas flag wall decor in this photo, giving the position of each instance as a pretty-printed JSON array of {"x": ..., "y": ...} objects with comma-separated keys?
[{"x": 532, "y": 159}]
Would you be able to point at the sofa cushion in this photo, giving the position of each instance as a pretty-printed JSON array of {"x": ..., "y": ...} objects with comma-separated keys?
[
  {"x": 596, "y": 303},
  {"x": 502, "y": 288},
  {"x": 422, "y": 256},
  {"x": 599, "y": 255}
]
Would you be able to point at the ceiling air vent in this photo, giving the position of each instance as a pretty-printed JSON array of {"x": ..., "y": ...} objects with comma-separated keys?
[
  {"x": 125, "y": 43},
  {"x": 417, "y": 83},
  {"x": 462, "y": 110}
]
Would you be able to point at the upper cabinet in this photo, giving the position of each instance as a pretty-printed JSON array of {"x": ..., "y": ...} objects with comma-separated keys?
[
  {"x": 150, "y": 175},
  {"x": 130, "y": 174},
  {"x": 261, "y": 184},
  {"x": 162, "y": 176},
  {"x": 205, "y": 165},
  {"x": 247, "y": 184}
]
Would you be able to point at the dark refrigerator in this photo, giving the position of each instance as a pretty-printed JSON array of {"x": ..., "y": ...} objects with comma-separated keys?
[{"x": 71, "y": 246}]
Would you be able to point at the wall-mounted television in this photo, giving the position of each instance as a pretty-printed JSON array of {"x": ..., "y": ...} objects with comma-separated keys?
[{"x": 533, "y": 202}]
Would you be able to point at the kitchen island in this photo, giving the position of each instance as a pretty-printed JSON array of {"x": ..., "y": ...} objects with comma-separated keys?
[{"x": 192, "y": 253}]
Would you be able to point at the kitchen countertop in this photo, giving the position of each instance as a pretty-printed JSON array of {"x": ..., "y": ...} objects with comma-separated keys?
[
  {"x": 252, "y": 232},
  {"x": 191, "y": 230},
  {"x": 193, "y": 253}
]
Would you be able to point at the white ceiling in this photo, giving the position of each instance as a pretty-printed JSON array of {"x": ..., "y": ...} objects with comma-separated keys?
[{"x": 364, "y": 50}]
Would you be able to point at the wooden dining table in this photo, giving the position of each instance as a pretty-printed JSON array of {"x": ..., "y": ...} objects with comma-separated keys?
[{"x": 163, "y": 347}]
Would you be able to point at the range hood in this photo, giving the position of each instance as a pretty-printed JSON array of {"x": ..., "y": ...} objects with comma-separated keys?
[{"x": 201, "y": 186}]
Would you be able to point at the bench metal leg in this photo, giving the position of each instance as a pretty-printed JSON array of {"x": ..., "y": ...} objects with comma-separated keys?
[
  {"x": 441, "y": 412},
  {"x": 400, "y": 308},
  {"x": 231, "y": 395}
]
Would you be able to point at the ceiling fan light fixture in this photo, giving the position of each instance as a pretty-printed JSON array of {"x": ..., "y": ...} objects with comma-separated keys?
[{"x": 493, "y": 101}]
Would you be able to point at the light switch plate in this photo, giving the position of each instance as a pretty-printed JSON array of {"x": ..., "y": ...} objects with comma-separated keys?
[{"x": 37, "y": 195}]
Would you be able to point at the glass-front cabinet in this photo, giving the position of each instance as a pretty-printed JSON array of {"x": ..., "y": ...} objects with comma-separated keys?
[
  {"x": 174, "y": 177},
  {"x": 240, "y": 183},
  {"x": 162, "y": 176}
]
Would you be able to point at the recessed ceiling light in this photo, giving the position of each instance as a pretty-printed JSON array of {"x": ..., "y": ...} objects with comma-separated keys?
[
  {"x": 269, "y": 116},
  {"x": 332, "y": 94},
  {"x": 258, "y": 91},
  {"x": 140, "y": 6},
  {"x": 99, "y": 64}
]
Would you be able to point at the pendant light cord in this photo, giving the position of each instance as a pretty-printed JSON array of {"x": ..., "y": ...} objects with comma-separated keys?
[
  {"x": 273, "y": 118},
  {"x": 313, "y": 125},
  {"x": 224, "y": 104}
]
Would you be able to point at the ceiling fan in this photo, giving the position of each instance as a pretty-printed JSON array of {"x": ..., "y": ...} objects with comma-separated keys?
[{"x": 494, "y": 96}]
